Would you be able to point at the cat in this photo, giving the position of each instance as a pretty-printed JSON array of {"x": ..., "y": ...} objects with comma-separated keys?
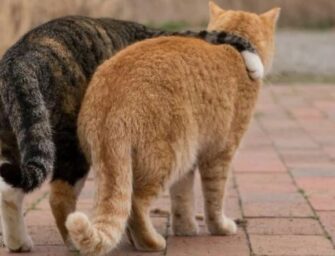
[
  {"x": 43, "y": 78},
  {"x": 154, "y": 113}
]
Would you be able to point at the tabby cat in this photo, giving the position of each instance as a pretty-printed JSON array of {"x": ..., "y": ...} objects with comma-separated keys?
[
  {"x": 43, "y": 78},
  {"x": 152, "y": 114}
]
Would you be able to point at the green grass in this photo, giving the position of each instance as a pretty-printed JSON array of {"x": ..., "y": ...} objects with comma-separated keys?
[{"x": 170, "y": 25}]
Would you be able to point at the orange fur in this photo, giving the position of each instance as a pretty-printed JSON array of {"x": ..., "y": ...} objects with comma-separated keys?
[{"x": 150, "y": 115}]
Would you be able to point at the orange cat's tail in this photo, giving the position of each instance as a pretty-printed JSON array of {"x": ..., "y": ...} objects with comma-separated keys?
[{"x": 113, "y": 203}]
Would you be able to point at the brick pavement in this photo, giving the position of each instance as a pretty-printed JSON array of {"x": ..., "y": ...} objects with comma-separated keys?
[{"x": 282, "y": 189}]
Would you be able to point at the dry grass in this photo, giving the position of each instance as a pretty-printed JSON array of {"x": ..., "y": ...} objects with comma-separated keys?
[{"x": 19, "y": 16}]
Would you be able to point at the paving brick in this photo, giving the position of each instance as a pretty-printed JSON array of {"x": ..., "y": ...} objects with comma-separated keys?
[
  {"x": 323, "y": 137},
  {"x": 307, "y": 113},
  {"x": 289, "y": 245},
  {"x": 39, "y": 218},
  {"x": 310, "y": 164},
  {"x": 258, "y": 161},
  {"x": 284, "y": 226},
  {"x": 256, "y": 138},
  {"x": 324, "y": 105},
  {"x": 305, "y": 158},
  {"x": 277, "y": 124},
  {"x": 235, "y": 245},
  {"x": 328, "y": 221},
  {"x": 322, "y": 202},
  {"x": 45, "y": 235},
  {"x": 313, "y": 172},
  {"x": 317, "y": 185},
  {"x": 42, "y": 251},
  {"x": 330, "y": 151},
  {"x": 270, "y": 182},
  {"x": 319, "y": 127},
  {"x": 275, "y": 205},
  {"x": 292, "y": 139}
]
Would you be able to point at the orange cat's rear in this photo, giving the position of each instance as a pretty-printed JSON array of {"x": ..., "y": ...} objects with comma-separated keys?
[{"x": 155, "y": 112}]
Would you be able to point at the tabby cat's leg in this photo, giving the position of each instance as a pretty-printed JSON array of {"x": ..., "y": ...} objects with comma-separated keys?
[
  {"x": 14, "y": 230},
  {"x": 140, "y": 230},
  {"x": 183, "y": 212},
  {"x": 69, "y": 177},
  {"x": 63, "y": 199},
  {"x": 214, "y": 172}
]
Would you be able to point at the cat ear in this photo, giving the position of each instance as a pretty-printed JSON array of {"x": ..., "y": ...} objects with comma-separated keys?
[
  {"x": 214, "y": 10},
  {"x": 271, "y": 16}
]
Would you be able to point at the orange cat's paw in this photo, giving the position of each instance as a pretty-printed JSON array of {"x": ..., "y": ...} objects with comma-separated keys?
[
  {"x": 254, "y": 65},
  {"x": 225, "y": 227},
  {"x": 145, "y": 243},
  {"x": 182, "y": 227},
  {"x": 20, "y": 246}
]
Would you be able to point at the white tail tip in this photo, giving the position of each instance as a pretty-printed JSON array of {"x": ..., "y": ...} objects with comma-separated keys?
[
  {"x": 86, "y": 237},
  {"x": 254, "y": 65},
  {"x": 79, "y": 228}
]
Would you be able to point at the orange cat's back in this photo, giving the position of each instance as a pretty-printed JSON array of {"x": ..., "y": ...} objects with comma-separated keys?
[
  {"x": 175, "y": 63},
  {"x": 151, "y": 115},
  {"x": 168, "y": 54}
]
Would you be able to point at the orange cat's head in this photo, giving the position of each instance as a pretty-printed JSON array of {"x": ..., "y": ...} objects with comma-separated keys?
[{"x": 258, "y": 29}]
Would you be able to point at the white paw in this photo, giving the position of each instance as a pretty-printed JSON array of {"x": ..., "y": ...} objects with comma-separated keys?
[
  {"x": 230, "y": 226},
  {"x": 223, "y": 227},
  {"x": 24, "y": 244},
  {"x": 156, "y": 243},
  {"x": 14, "y": 232},
  {"x": 254, "y": 65},
  {"x": 185, "y": 227}
]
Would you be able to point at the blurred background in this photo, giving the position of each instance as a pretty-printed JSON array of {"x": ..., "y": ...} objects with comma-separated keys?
[{"x": 305, "y": 39}]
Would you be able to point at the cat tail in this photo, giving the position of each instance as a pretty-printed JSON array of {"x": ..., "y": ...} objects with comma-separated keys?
[
  {"x": 250, "y": 56},
  {"x": 113, "y": 202},
  {"x": 28, "y": 118}
]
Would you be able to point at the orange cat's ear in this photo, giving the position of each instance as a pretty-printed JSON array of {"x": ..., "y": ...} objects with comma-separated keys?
[
  {"x": 271, "y": 16},
  {"x": 214, "y": 10}
]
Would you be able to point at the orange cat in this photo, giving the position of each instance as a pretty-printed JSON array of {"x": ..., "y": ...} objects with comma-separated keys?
[{"x": 154, "y": 113}]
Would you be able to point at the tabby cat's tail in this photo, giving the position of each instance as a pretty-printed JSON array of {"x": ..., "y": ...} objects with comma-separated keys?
[
  {"x": 28, "y": 118},
  {"x": 112, "y": 207}
]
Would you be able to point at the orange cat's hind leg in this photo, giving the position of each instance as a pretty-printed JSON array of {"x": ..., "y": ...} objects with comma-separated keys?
[
  {"x": 214, "y": 172},
  {"x": 183, "y": 212},
  {"x": 141, "y": 231},
  {"x": 154, "y": 168}
]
